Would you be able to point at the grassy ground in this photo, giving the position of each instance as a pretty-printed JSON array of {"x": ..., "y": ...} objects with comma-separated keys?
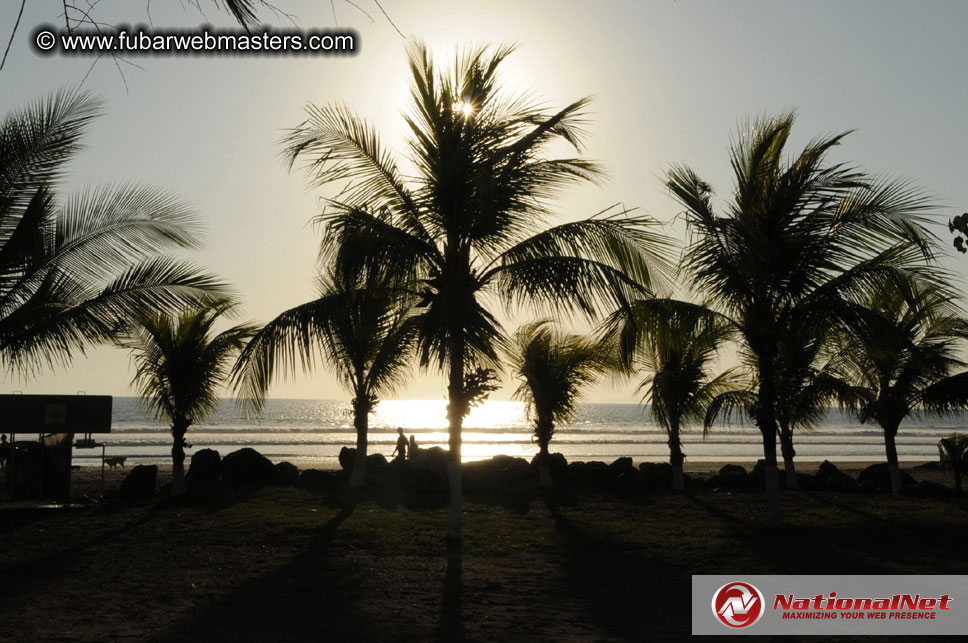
[{"x": 282, "y": 564}]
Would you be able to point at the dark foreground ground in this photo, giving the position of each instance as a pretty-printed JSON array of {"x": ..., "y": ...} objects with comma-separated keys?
[{"x": 284, "y": 564}]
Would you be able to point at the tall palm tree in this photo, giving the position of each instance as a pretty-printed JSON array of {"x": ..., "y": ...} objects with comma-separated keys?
[
  {"x": 182, "y": 365},
  {"x": 903, "y": 358},
  {"x": 797, "y": 241},
  {"x": 73, "y": 270},
  {"x": 674, "y": 343},
  {"x": 468, "y": 224},
  {"x": 553, "y": 369},
  {"x": 365, "y": 330}
]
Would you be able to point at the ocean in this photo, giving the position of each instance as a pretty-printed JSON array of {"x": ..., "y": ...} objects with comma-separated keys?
[{"x": 310, "y": 433}]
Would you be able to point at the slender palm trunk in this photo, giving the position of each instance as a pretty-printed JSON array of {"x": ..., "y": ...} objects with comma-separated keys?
[
  {"x": 892, "y": 464},
  {"x": 455, "y": 418},
  {"x": 676, "y": 457},
  {"x": 178, "y": 430},
  {"x": 544, "y": 466},
  {"x": 786, "y": 448},
  {"x": 766, "y": 422},
  {"x": 361, "y": 421}
]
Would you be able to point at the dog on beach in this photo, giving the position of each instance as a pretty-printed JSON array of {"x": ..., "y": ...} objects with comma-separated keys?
[{"x": 115, "y": 461}]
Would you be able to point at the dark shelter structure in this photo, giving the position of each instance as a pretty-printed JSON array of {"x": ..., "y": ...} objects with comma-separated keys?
[{"x": 42, "y": 468}]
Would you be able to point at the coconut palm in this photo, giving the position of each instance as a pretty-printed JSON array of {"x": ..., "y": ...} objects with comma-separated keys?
[
  {"x": 674, "y": 343},
  {"x": 798, "y": 240},
  {"x": 553, "y": 369},
  {"x": 72, "y": 270},
  {"x": 806, "y": 389},
  {"x": 468, "y": 224},
  {"x": 904, "y": 356},
  {"x": 954, "y": 456},
  {"x": 182, "y": 365},
  {"x": 365, "y": 330}
]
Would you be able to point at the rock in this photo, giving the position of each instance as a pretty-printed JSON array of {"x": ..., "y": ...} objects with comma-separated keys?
[
  {"x": 346, "y": 457},
  {"x": 287, "y": 474},
  {"x": 732, "y": 469},
  {"x": 589, "y": 474},
  {"x": 205, "y": 467},
  {"x": 878, "y": 477},
  {"x": 830, "y": 478},
  {"x": 733, "y": 480},
  {"x": 758, "y": 475},
  {"x": 558, "y": 466},
  {"x": 374, "y": 461},
  {"x": 936, "y": 490},
  {"x": 316, "y": 480},
  {"x": 620, "y": 466},
  {"x": 433, "y": 460},
  {"x": 247, "y": 467},
  {"x": 500, "y": 473},
  {"x": 140, "y": 483},
  {"x": 656, "y": 474}
]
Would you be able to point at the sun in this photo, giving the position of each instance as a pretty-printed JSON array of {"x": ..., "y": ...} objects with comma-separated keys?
[{"x": 465, "y": 108}]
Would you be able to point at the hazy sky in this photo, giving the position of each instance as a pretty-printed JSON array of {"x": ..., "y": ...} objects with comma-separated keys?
[{"x": 673, "y": 81}]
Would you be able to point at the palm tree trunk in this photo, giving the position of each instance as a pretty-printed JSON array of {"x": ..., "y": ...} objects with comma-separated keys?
[
  {"x": 544, "y": 466},
  {"x": 766, "y": 422},
  {"x": 178, "y": 429},
  {"x": 786, "y": 448},
  {"x": 455, "y": 417},
  {"x": 892, "y": 464},
  {"x": 361, "y": 421},
  {"x": 676, "y": 457}
]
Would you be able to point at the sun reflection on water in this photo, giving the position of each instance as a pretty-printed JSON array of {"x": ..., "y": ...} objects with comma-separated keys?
[{"x": 432, "y": 414}]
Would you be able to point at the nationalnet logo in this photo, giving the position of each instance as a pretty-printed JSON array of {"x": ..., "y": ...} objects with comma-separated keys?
[
  {"x": 738, "y": 604},
  {"x": 857, "y": 604}
]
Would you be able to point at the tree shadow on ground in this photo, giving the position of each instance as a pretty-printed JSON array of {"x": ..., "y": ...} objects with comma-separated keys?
[
  {"x": 303, "y": 601},
  {"x": 20, "y": 576},
  {"x": 625, "y": 592}
]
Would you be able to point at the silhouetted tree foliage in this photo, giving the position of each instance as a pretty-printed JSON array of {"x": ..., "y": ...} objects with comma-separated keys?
[
  {"x": 796, "y": 243},
  {"x": 468, "y": 224},
  {"x": 182, "y": 365},
  {"x": 363, "y": 325},
  {"x": 74, "y": 269},
  {"x": 959, "y": 227}
]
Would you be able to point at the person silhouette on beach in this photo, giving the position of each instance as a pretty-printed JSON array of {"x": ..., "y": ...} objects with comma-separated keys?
[
  {"x": 413, "y": 446},
  {"x": 4, "y": 448},
  {"x": 401, "y": 445}
]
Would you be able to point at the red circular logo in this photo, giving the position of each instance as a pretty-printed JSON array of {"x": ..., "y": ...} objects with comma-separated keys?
[{"x": 738, "y": 605}]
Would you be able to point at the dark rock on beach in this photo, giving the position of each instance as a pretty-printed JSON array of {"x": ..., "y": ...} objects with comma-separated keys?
[
  {"x": 501, "y": 473},
  {"x": 247, "y": 467},
  {"x": 732, "y": 469},
  {"x": 317, "y": 481},
  {"x": 140, "y": 483},
  {"x": 204, "y": 468},
  {"x": 656, "y": 474},
  {"x": 286, "y": 474},
  {"x": 830, "y": 478},
  {"x": 589, "y": 474},
  {"x": 877, "y": 477},
  {"x": 936, "y": 490}
]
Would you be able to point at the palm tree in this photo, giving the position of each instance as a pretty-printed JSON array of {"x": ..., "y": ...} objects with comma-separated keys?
[
  {"x": 181, "y": 367},
  {"x": 553, "y": 369},
  {"x": 72, "y": 271},
  {"x": 954, "y": 456},
  {"x": 675, "y": 343},
  {"x": 467, "y": 225},
  {"x": 903, "y": 356},
  {"x": 365, "y": 330},
  {"x": 798, "y": 240}
]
